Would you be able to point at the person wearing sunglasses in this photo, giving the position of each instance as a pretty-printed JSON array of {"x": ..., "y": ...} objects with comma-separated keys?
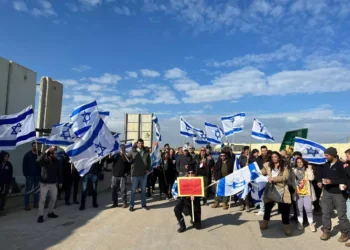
[{"x": 204, "y": 164}]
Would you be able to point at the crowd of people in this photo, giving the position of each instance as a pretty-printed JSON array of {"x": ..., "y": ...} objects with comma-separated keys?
[{"x": 305, "y": 189}]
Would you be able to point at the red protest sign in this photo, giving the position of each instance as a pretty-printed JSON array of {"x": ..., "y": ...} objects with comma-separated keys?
[{"x": 190, "y": 186}]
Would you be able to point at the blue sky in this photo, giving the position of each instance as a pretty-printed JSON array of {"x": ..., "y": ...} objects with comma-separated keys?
[{"x": 284, "y": 62}]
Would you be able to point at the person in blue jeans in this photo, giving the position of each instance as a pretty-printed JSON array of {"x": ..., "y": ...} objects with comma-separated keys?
[
  {"x": 92, "y": 175},
  {"x": 31, "y": 171},
  {"x": 140, "y": 168}
]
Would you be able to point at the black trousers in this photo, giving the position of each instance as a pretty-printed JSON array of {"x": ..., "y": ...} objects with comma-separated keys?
[
  {"x": 4, "y": 190},
  {"x": 246, "y": 202},
  {"x": 184, "y": 206},
  {"x": 71, "y": 183},
  {"x": 284, "y": 208}
]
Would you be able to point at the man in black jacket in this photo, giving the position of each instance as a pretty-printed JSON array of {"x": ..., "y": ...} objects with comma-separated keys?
[
  {"x": 183, "y": 161},
  {"x": 50, "y": 176},
  {"x": 223, "y": 167},
  {"x": 333, "y": 177},
  {"x": 204, "y": 164},
  {"x": 120, "y": 169}
]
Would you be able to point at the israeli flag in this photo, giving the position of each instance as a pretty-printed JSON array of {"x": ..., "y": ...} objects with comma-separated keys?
[
  {"x": 186, "y": 129},
  {"x": 156, "y": 157},
  {"x": 201, "y": 137},
  {"x": 214, "y": 133},
  {"x": 236, "y": 182},
  {"x": 41, "y": 140},
  {"x": 156, "y": 124},
  {"x": 174, "y": 190},
  {"x": 128, "y": 147},
  {"x": 236, "y": 165},
  {"x": 257, "y": 188},
  {"x": 96, "y": 143},
  {"x": 83, "y": 117},
  {"x": 260, "y": 132},
  {"x": 17, "y": 129},
  {"x": 104, "y": 115},
  {"x": 61, "y": 135},
  {"x": 311, "y": 151},
  {"x": 233, "y": 123}
]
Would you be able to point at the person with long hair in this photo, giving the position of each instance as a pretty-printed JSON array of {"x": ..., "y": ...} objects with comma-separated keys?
[
  {"x": 302, "y": 176},
  {"x": 277, "y": 174},
  {"x": 6, "y": 174},
  {"x": 169, "y": 171}
]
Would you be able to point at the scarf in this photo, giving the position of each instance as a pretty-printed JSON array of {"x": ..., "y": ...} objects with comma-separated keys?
[{"x": 302, "y": 184}]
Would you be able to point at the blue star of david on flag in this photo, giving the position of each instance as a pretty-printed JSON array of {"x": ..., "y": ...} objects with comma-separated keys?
[
  {"x": 217, "y": 134},
  {"x": 86, "y": 116},
  {"x": 311, "y": 151},
  {"x": 262, "y": 126},
  {"x": 102, "y": 149},
  {"x": 16, "y": 129},
  {"x": 66, "y": 132}
]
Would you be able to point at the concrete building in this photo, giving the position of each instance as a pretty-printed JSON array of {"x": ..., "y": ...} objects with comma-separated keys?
[
  {"x": 50, "y": 103},
  {"x": 139, "y": 126},
  {"x": 17, "y": 91}
]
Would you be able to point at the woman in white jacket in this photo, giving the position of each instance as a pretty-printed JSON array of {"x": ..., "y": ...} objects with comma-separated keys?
[{"x": 302, "y": 176}]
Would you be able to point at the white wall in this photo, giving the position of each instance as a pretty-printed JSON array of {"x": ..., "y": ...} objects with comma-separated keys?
[{"x": 21, "y": 85}]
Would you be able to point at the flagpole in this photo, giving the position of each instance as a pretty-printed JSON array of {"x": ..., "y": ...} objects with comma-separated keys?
[{"x": 192, "y": 198}]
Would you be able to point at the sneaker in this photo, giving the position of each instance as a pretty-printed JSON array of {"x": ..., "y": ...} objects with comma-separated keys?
[
  {"x": 125, "y": 205},
  {"x": 145, "y": 207},
  {"x": 300, "y": 227},
  {"x": 260, "y": 213},
  {"x": 40, "y": 219},
  {"x": 241, "y": 208},
  {"x": 247, "y": 209},
  {"x": 114, "y": 205},
  {"x": 52, "y": 215},
  {"x": 312, "y": 227},
  {"x": 131, "y": 209}
]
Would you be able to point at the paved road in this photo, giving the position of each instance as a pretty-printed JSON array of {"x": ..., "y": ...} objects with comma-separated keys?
[{"x": 117, "y": 228}]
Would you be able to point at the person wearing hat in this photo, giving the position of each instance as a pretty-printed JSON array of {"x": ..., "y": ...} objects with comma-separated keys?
[
  {"x": 184, "y": 206},
  {"x": 334, "y": 195},
  {"x": 183, "y": 161},
  {"x": 120, "y": 169}
]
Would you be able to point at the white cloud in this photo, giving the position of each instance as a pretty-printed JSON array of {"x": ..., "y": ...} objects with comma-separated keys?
[
  {"x": 287, "y": 52},
  {"x": 72, "y": 7},
  {"x": 149, "y": 73},
  {"x": 91, "y": 2},
  {"x": 106, "y": 79},
  {"x": 93, "y": 87},
  {"x": 45, "y": 8},
  {"x": 68, "y": 82},
  {"x": 123, "y": 10},
  {"x": 132, "y": 74},
  {"x": 175, "y": 73},
  {"x": 81, "y": 68},
  {"x": 251, "y": 81},
  {"x": 138, "y": 92},
  {"x": 20, "y": 6}
]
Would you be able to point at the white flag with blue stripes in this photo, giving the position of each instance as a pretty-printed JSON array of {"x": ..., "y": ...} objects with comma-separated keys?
[
  {"x": 257, "y": 188},
  {"x": 260, "y": 132},
  {"x": 83, "y": 116},
  {"x": 233, "y": 123},
  {"x": 311, "y": 151},
  {"x": 128, "y": 147},
  {"x": 104, "y": 115},
  {"x": 186, "y": 129},
  {"x": 61, "y": 135},
  {"x": 214, "y": 133},
  {"x": 157, "y": 126},
  {"x": 236, "y": 182},
  {"x": 17, "y": 129},
  {"x": 156, "y": 157},
  {"x": 201, "y": 137},
  {"x": 97, "y": 143}
]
